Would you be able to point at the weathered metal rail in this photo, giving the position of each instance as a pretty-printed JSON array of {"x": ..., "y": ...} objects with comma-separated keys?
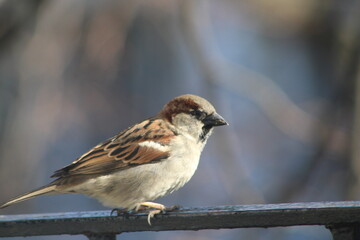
[{"x": 342, "y": 218}]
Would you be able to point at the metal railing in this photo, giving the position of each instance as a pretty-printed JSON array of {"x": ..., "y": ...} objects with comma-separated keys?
[{"x": 341, "y": 218}]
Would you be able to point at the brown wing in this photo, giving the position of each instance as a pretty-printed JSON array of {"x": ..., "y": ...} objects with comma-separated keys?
[{"x": 122, "y": 151}]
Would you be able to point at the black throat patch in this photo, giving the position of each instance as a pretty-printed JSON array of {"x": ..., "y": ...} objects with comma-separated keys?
[{"x": 205, "y": 133}]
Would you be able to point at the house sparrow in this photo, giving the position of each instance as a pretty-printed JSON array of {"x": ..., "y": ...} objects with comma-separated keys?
[{"x": 142, "y": 163}]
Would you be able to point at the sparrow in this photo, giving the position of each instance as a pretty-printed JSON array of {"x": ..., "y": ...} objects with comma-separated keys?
[{"x": 146, "y": 161}]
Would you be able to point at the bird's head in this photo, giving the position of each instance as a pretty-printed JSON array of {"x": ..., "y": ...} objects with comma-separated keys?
[{"x": 192, "y": 115}]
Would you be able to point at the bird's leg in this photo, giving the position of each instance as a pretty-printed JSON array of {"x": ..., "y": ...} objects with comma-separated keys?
[{"x": 158, "y": 208}]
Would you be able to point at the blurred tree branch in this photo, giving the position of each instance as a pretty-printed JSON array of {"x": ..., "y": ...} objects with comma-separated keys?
[
  {"x": 15, "y": 15},
  {"x": 260, "y": 89},
  {"x": 280, "y": 110},
  {"x": 355, "y": 148}
]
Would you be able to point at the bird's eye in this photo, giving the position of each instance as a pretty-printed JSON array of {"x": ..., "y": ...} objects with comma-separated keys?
[{"x": 198, "y": 114}]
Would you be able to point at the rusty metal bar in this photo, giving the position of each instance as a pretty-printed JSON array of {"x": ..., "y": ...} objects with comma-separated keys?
[{"x": 101, "y": 225}]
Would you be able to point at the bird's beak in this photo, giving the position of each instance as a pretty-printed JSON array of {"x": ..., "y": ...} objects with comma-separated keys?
[{"x": 214, "y": 120}]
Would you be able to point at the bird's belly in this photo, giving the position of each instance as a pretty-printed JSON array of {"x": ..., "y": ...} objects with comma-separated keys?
[{"x": 127, "y": 188}]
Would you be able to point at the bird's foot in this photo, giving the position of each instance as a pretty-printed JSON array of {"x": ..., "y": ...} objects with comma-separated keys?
[
  {"x": 157, "y": 209},
  {"x": 144, "y": 206},
  {"x": 152, "y": 213}
]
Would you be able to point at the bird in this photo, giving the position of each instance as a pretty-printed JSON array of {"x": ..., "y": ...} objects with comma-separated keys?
[{"x": 146, "y": 161}]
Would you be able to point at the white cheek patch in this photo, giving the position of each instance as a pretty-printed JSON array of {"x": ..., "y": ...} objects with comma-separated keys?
[{"x": 155, "y": 145}]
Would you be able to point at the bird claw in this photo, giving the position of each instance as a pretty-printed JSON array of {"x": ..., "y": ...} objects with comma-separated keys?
[
  {"x": 156, "y": 209},
  {"x": 152, "y": 214}
]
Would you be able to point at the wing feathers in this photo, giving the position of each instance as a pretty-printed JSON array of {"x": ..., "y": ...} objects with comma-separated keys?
[
  {"x": 118, "y": 150},
  {"x": 144, "y": 143},
  {"x": 132, "y": 154}
]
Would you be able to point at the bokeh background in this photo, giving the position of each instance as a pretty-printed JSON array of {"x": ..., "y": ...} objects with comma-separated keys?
[{"x": 284, "y": 74}]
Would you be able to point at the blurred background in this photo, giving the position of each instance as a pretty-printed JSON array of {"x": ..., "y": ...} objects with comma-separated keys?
[{"x": 284, "y": 74}]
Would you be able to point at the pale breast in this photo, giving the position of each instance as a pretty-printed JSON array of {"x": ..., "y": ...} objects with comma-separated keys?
[{"x": 127, "y": 188}]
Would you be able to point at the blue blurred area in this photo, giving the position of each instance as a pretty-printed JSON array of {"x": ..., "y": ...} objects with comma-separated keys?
[{"x": 283, "y": 74}]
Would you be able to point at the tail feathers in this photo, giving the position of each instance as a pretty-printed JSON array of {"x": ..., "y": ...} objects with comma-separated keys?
[{"x": 49, "y": 189}]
